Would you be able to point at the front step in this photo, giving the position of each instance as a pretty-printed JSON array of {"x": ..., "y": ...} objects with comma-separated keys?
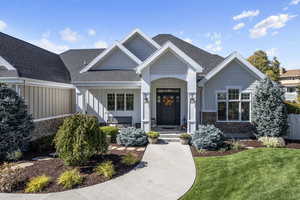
[{"x": 169, "y": 137}]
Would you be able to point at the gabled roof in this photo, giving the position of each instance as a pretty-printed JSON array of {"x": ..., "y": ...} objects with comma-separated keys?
[
  {"x": 228, "y": 60},
  {"x": 143, "y": 35},
  {"x": 31, "y": 61},
  {"x": 169, "y": 47},
  {"x": 106, "y": 52}
]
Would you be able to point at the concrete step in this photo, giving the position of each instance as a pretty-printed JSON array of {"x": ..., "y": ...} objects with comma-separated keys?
[
  {"x": 169, "y": 135},
  {"x": 170, "y": 139}
]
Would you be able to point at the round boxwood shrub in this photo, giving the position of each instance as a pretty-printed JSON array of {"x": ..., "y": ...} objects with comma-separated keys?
[
  {"x": 112, "y": 131},
  {"x": 132, "y": 137},
  {"x": 16, "y": 123},
  {"x": 79, "y": 138},
  {"x": 208, "y": 137}
]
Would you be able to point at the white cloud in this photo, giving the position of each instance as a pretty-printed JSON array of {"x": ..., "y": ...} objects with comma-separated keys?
[
  {"x": 238, "y": 26},
  {"x": 100, "y": 44},
  {"x": 274, "y": 33},
  {"x": 294, "y": 2},
  {"x": 68, "y": 35},
  {"x": 215, "y": 47},
  {"x": 272, "y": 52},
  {"x": 3, "y": 25},
  {"x": 189, "y": 40},
  {"x": 91, "y": 32},
  {"x": 285, "y": 8},
  {"x": 246, "y": 14},
  {"x": 50, "y": 46},
  {"x": 46, "y": 34},
  {"x": 213, "y": 35},
  {"x": 272, "y": 22}
]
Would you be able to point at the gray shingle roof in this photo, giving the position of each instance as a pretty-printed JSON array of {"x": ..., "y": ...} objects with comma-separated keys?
[
  {"x": 76, "y": 59},
  {"x": 207, "y": 60},
  {"x": 32, "y": 61}
]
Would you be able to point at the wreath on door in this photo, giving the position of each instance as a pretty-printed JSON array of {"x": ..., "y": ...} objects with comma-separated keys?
[{"x": 168, "y": 101}]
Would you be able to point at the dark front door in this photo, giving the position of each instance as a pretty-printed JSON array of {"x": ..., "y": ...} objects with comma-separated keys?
[{"x": 168, "y": 106}]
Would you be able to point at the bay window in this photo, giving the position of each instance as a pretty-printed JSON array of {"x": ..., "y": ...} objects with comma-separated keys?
[{"x": 233, "y": 105}]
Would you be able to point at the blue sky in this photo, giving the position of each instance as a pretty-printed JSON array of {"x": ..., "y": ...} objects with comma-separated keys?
[{"x": 219, "y": 26}]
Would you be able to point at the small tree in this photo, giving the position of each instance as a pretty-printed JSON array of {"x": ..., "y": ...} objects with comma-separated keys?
[
  {"x": 269, "y": 111},
  {"x": 16, "y": 124}
]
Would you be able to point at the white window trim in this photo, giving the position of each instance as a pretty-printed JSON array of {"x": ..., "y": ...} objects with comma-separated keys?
[
  {"x": 125, "y": 105},
  {"x": 240, "y": 100}
]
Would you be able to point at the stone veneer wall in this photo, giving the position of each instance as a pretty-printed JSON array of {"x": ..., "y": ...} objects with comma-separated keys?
[
  {"x": 46, "y": 127},
  {"x": 228, "y": 127}
]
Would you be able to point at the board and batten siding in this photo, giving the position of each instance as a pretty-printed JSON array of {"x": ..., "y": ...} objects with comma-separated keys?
[{"x": 46, "y": 102}]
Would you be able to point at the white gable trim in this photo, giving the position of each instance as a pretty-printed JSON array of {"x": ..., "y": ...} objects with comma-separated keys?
[
  {"x": 139, "y": 32},
  {"x": 169, "y": 46},
  {"x": 225, "y": 63},
  {"x": 107, "y": 52},
  {"x": 6, "y": 64}
]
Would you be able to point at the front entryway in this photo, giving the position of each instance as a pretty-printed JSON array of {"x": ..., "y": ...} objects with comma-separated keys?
[{"x": 168, "y": 106}]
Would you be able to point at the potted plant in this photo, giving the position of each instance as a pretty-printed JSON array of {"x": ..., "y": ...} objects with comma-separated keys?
[
  {"x": 153, "y": 137},
  {"x": 185, "y": 138}
]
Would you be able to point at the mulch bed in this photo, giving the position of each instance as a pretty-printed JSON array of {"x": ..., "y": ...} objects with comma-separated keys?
[
  {"x": 246, "y": 143},
  {"x": 55, "y": 167}
]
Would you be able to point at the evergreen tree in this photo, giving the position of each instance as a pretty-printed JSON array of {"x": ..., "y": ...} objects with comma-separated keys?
[
  {"x": 269, "y": 111},
  {"x": 16, "y": 124}
]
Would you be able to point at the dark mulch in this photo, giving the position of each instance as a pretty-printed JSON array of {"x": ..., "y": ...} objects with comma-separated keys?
[
  {"x": 246, "y": 143},
  {"x": 55, "y": 167}
]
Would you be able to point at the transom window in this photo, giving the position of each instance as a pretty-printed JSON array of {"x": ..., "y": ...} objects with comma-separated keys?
[
  {"x": 120, "y": 102},
  {"x": 233, "y": 105}
]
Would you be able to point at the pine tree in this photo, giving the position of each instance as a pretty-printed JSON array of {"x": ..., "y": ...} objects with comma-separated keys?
[
  {"x": 16, "y": 124},
  {"x": 269, "y": 111}
]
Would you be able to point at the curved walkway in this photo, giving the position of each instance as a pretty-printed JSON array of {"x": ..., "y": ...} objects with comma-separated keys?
[{"x": 166, "y": 172}]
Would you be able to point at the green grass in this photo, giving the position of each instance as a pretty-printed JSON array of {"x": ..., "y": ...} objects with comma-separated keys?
[{"x": 259, "y": 174}]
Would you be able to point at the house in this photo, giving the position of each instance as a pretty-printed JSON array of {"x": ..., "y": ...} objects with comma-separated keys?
[
  {"x": 151, "y": 82},
  {"x": 290, "y": 79}
]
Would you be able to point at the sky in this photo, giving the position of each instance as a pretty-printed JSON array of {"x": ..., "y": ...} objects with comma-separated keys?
[{"x": 218, "y": 26}]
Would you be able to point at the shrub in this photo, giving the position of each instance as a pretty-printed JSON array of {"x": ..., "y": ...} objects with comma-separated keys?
[
  {"x": 129, "y": 159},
  {"x": 153, "y": 134},
  {"x": 272, "y": 142},
  {"x": 10, "y": 178},
  {"x": 185, "y": 136},
  {"x": 16, "y": 124},
  {"x": 15, "y": 155},
  {"x": 78, "y": 139},
  {"x": 43, "y": 144},
  {"x": 70, "y": 178},
  {"x": 112, "y": 131},
  {"x": 106, "y": 169},
  {"x": 236, "y": 145},
  {"x": 37, "y": 184},
  {"x": 269, "y": 111},
  {"x": 132, "y": 137},
  {"x": 208, "y": 137}
]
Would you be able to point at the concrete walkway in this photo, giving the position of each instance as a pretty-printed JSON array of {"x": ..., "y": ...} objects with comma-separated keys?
[{"x": 167, "y": 172}]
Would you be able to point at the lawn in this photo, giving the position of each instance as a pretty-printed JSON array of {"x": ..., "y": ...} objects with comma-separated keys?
[{"x": 258, "y": 174}]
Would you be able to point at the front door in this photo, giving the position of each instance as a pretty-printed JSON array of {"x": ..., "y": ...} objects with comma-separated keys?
[{"x": 168, "y": 106}]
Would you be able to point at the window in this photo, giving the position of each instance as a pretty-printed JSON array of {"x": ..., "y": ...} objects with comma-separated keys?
[
  {"x": 120, "y": 102},
  {"x": 110, "y": 101},
  {"x": 291, "y": 89},
  {"x": 233, "y": 105}
]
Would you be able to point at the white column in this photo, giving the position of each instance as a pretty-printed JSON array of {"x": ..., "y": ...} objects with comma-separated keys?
[
  {"x": 145, "y": 100},
  {"x": 81, "y": 102},
  {"x": 192, "y": 99}
]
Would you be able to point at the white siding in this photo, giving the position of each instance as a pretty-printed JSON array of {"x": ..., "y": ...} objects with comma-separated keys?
[{"x": 294, "y": 127}]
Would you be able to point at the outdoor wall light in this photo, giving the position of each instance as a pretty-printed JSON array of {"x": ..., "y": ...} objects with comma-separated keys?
[
  {"x": 146, "y": 97},
  {"x": 192, "y": 98}
]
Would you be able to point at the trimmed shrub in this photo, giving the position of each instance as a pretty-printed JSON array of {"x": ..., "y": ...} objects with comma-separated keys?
[
  {"x": 37, "y": 184},
  {"x": 78, "y": 139},
  {"x": 16, "y": 123},
  {"x": 208, "y": 137},
  {"x": 107, "y": 169},
  {"x": 269, "y": 110},
  {"x": 10, "y": 179},
  {"x": 43, "y": 144},
  {"x": 272, "y": 142},
  {"x": 112, "y": 131},
  {"x": 129, "y": 159},
  {"x": 132, "y": 137},
  {"x": 185, "y": 136},
  {"x": 153, "y": 134},
  {"x": 70, "y": 178}
]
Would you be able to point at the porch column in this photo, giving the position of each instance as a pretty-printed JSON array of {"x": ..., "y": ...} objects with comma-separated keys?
[
  {"x": 192, "y": 99},
  {"x": 81, "y": 100},
  {"x": 145, "y": 101}
]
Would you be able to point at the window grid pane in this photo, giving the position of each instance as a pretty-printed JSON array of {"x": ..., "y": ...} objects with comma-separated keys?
[
  {"x": 245, "y": 96},
  {"x": 222, "y": 111},
  {"x": 129, "y": 102},
  {"x": 221, "y": 96},
  {"x": 245, "y": 112},
  {"x": 233, "y": 111},
  {"x": 233, "y": 94},
  {"x": 110, "y": 101},
  {"x": 120, "y": 102}
]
